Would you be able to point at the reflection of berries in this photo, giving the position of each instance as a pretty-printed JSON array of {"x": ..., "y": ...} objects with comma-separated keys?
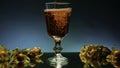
[
  {"x": 116, "y": 53},
  {"x": 95, "y": 55},
  {"x": 3, "y": 53},
  {"x": 34, "y": 55},
  {"x": 20, "y": 57},
  {"x": 114, "y": 58},
  {"x": 35, "y": 50}
]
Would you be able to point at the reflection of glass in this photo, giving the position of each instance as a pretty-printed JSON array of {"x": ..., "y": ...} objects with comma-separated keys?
[{"x": 57, "y": 21}]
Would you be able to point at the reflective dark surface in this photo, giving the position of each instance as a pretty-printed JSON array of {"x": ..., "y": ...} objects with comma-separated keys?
[{"x": 74, "y": 61}]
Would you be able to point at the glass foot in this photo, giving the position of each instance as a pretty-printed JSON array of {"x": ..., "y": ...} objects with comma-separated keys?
[{"x": 58, "y": 61}]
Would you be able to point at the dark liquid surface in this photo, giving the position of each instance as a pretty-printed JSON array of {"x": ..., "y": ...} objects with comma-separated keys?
[{"x": 57, "y": 21}]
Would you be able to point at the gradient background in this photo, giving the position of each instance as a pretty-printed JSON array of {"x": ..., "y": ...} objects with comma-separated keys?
[{"x": 22, "y": 24}]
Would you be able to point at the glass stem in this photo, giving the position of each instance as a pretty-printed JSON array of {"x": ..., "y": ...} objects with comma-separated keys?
[{"x": 57, "y": 47}]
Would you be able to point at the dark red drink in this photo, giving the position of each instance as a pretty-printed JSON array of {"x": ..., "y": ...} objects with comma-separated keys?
[{"x": 57, "y": 21}]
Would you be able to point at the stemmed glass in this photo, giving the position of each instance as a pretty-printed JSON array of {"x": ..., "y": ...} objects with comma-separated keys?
[{"x": 57, "y": 21}]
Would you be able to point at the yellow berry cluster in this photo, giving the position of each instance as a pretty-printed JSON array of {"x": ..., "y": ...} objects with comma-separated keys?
[
  {"x": 96, "y": 55},
  {"x": 17, "y": 58}
]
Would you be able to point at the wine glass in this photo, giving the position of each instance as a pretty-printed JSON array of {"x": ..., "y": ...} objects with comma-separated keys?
[{"x": 57, "y": 21}]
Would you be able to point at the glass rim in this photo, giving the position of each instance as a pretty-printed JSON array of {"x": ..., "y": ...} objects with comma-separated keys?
[{"x": 57, "y": 3}]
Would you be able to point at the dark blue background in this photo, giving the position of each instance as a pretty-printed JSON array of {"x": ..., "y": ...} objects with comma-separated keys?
[{"x": 22, "y": 24}]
